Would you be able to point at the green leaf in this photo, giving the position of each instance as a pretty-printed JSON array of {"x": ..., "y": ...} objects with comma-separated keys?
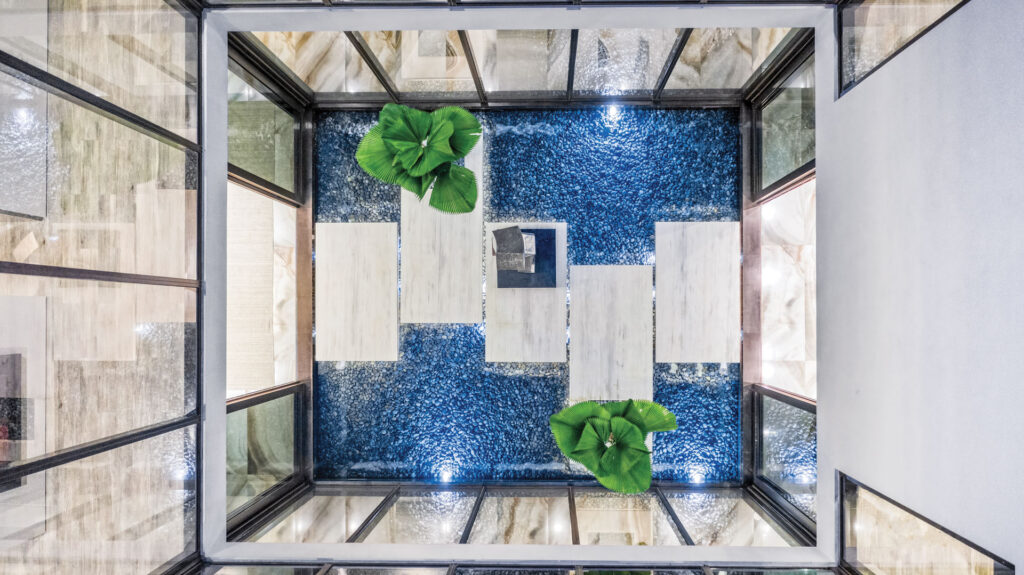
[
  {"x": 467, "y": 128},
  {"x": 378, "y": 161},
  {"x": 618, "y": 408},
  {"x": 567, "y": 425},
  {"x": 418, "y": 142},
  {"x": 650, "y": 416},
  {"x": 590, "y": 448},
  {"x": 636, "y": 480},
  {"x": 622, "y": 459},
  {"x": 455, "y": 190}
]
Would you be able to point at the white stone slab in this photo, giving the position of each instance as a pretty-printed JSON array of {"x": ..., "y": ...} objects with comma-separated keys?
[
  {"x": 611, "y": 332},
  {"x": 357, "y": 292},
  {"x": 526, "y": 324},
  {"x": 698, "y": 292},
  {"x": 442, "y": 274}
]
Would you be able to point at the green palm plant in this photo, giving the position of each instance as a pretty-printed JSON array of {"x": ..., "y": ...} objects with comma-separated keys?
[
  {"x": 610, "y": 439},
  {"x": 416, "y": 150}
]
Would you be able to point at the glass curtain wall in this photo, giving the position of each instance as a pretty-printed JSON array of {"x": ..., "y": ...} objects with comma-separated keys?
[{"x": 99, "y": 306}]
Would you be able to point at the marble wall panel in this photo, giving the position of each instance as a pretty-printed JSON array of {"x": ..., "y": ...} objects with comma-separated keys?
[
  {"x": 726, "y": 517},
  {"x": 325, "y": 61},
  {"x": 430, "y": 517},
  {"x": 698, "y": 292},
  {"x": 357, "y": 285},
  {"x": 442, "y": 274},
  {"x": 611, "y": 333},
  {"x": 608, "y": 518},
  {"x": 523, "y": 518},
  {"x": 329, "y": 518},
  {"x": 527, "y": 324}
]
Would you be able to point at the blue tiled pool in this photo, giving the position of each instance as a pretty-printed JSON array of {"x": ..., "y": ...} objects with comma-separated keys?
[{"x": 442, "y": 412}]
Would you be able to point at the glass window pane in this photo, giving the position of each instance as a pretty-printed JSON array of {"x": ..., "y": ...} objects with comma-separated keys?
[
  {"x": 788, "y": 292},
  {"x": 141, "y": 56},
  {"x": 881, "y": 537},
  {"x": 723, "y": 58},
  {"x": 260, "y": 570},
  {"x": 326, "y": 61},
  {"x": 127, "y": 510},
  {"x": 789, "y": 452},
  {"x": 424, "y": 63},
  {"x": 425, "y": 517},
  {"x": 261, "y": 305},
  {"x": 726, "y": 517},
  {"x": 621, "y": 61},
  {"x": 608, "y": 518},
  {"x": 521, "y": 517},
  {"x": 261, "y": 449},
  {"x": 787, "y": 126},
  {"x": 329, "y": 516},
  {"x": 872, "y": 30},
  {"x": 261, "y": 134},
  {"x": 83, "y": 191},
  {"x": 82, "y": 360},
  {"x": 527, "y": 61}
]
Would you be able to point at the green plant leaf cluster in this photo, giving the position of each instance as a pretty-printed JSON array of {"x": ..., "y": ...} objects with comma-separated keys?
[
  {"x": 610, "y": 439},
  {"x": 416, "y": 149}
]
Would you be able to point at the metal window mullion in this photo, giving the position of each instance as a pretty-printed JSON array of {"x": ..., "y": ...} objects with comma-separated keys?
[
  {"x": 573, "y": 521},
  {"x": 52, "y": 84},
  {"x": 670, "y": 63},
  {"x": 374, "y": 517},
  {"x": 472, "y": 515},
  {"x": 467, "y": 49},
  {"x": 327, "y": 566},
  {"x": 673, "y": 516},
  {"x": 574, "y": 40},
  {"x": 88, "y": 449},
  {"x": 38, "y": 270},
  {"x": 373, "y": 64}
]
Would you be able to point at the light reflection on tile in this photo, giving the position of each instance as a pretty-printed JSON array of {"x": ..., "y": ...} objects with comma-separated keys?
[
  {"x": 725, "y": 517},
  {"x": 425, "y": 517},
  {"x": 527, "y": 517},
  {"x": 324, "y": 518},
  {"x": 608, "y": 518}
]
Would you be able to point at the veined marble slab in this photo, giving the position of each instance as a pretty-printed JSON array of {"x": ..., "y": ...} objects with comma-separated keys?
[
  {"x": 611, "y": 333},
  {"x": 442, "y": 273},
  {"x": 526, "y": 324},
  {"x": 357, "y": 292},
  {"x": 698, "y": 292}
]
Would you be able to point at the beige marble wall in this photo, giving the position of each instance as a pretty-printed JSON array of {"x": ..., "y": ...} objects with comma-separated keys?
[
  {"x": 716, "y": 58},
  {"x": 788, "y": 292},
  {"x": 515, "y": 520},
  {"x": 325, "y": 61},
  {"x": 726, "y": 518},
  {"x": 322, "y": 519},
  {"x": 608, "y": 518}
]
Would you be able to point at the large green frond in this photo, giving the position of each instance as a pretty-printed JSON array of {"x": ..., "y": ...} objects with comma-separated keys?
[
  {"x": 454, "y": 191},
  {"x": 466, "y": 131}
]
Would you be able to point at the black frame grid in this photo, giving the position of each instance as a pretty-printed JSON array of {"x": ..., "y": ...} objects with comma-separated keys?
[
  {"x": 56, "y": 86},
  {"x": 842, "y": 26},
  {"x": 846, "y": 484}
]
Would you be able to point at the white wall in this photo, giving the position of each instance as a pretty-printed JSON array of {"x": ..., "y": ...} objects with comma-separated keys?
[{"x": 921, "y": 279}]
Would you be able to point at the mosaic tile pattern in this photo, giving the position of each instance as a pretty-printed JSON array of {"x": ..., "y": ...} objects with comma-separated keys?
[
  {"x": 611, "y": 173},
  {"x": 344, "y": 192},
  {"x": 707, "y": 447},
  {"x": 439, "y": 413}
]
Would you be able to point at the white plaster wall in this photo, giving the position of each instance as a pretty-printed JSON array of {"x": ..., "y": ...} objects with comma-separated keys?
[{"x": 921, "y": 279}]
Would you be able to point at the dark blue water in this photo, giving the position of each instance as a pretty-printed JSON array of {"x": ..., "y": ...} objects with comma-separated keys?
[{"x": 441, "y": 412}]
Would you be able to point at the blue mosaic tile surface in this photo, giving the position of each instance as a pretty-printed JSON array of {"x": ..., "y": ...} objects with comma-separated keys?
[
  {"x": 344, "y": 192},
  {"x": 611, "y": 175},
  {"x": 440, "y": 412},
  {"x": 707, "y": 447}
]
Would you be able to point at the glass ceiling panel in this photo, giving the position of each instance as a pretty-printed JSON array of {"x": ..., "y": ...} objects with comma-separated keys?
[
  {"x": 723, "y": 58},
  {"x": 626, "y": 61},
  {"x": 326, "y": 61},
  {"x": 524, "y": 61},
  {"x": 424, "y": 63}
]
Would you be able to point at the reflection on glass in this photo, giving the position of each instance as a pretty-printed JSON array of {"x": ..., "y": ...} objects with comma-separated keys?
[
  {"x": 326, "y": 61},
  {"x": 424, "y": 517},
  {"x": 261, "y": 570},
  {"x": 518, "y": 517},
  {"x": 787, "y": 126},
  {"x": 726, "y": 517},
  {"x": 425, "y": 63},
  {"x": 261, "y": 304},
  {"x": 82, "y": 360},
  {"x": 720, "y": 58},
  {"x": 789, "y": 452},
  {"x": 788, "y": 292},
  {"x": 261, "y": 134},
  {"x": 621, "y": 61},
  {"x": 715, "y": 571},
  {"x": 608, "y": 518},
  {"x": 522, "y": 60},
  {"x": 880, "y": 537},
  {"x": 872, "y": 30},
  {"x": 79, "y": 190},
  {"x": 140, "y": 55},
  {"x": 327, "y": 517},
  {"x": 127, "y": 510},
  {"x": 261, "y": 449}
]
